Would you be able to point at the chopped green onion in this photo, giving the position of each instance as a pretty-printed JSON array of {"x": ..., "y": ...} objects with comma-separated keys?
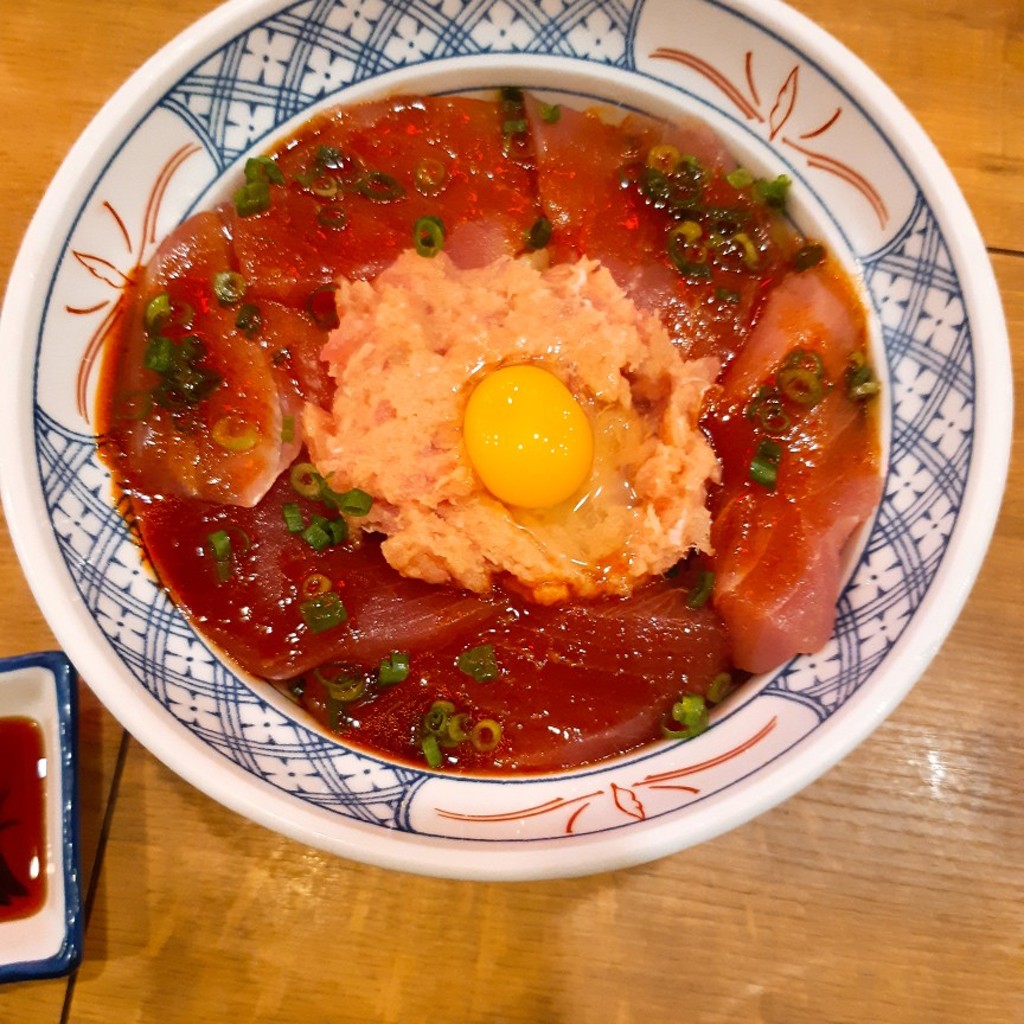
[
  {"x": 727, "y": 295},
  {"x": 751, "y": 257},
  {"x": 248, "y": 320},
  {"x": 687, "y": 253},
  {"x": 740, "y": 178},
  {"x": 355, "y": 502},
  {"x": 287, "y": 429},
  {"x": 859, "y": 392},
  {"x": 806, "y": 359},
  {"x": 394, "y": 668},
  {"x": 253, "y": 197},
  {"x": 263, "y": 169},
  {"x": 550, "y": 113},
  {"x": 428, "y": 236},
  {"x": 680, "y": 191},
  {"x": 315, "y": 584},
  {"x": 333, "y": 217},
  {"x": 691, "y": 712},
  {"x": 764, "y": 467},
  {"x": 809, "y": 256},
  {"x": 323, "y": 612},
  {"x": 322, "y": 308},
  {"x": 336, "y": 713},
  {"x": 323, "y": 533},
  {"x": 539, "y": 234},
  {"x": 229, "y": 286},
  {"x": 688, "y": 232},
  {"x": 379, "y": 187},
  {"x": 338, "y": 530},
  {"x": 801, "y": 377},
  {"x": 719, "y": 688},
  {"x": 344, "y": 688},
  {"x": 655, "y": 185},
  {"x": 801, "y": 385},
  {"x": 235, "y": 434},
  {"x": 191, "y": 350},
  {"x": 773, "y": 193},
  {"x": 514, "y": 125},
  {"x": 673, "y": 192},
  {"x": 293, "y": 521},
  {"x": 766, "y": 407},
  {"x": 701, "y": 592},
  {"x": 485, "y": 735},
  {"x": 725, "y": 220},
  {"x": 431, "y": 751},
  {"x": 158, "y": 309},
  {"x": 342, "y": 685},
  {"x": 315, "y": 176},
  {"x": 860, "y": 378},
  {"x": 326, "y": 186},
  {"x": 159, "y": 354},
  {"x": 329, "y": 157},
  {"x": 436, "y": 719},
  {"x": 457, "y": 731},
  {"x": 220, "y": 544},
  {"x": 444, "y": 728},
  {"x": 305, "y": 480},
  {"x": 479, "y": 663},
  {"x": 184, "y": 383},
  {"x": 429, "y": 175},
  {"x": 317, "y": 535},
  {"x": 664, "y": 158}
]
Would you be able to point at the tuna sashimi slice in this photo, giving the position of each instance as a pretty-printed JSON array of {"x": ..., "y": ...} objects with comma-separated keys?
[
  {"x": 779, "y": 552},
  {"x": 228, "y": 444}
]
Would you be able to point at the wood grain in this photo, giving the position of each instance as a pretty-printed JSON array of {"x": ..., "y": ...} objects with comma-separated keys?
[{"x": 891, "y": 890}]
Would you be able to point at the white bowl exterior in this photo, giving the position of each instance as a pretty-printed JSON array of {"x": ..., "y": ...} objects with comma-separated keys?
[{"x": 867, "y": 179}]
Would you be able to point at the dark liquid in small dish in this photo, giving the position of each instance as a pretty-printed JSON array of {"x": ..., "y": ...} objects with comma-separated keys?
[{"x": 22, "y": 831}]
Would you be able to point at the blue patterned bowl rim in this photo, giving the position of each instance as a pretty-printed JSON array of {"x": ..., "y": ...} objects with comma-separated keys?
[{"x": 869, "y": 180}]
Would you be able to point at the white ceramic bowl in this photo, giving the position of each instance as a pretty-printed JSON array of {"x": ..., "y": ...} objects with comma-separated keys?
[{"x": 789, "y": 99}]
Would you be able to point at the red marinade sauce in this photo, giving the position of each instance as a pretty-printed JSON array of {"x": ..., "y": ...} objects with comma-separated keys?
[
  {"x": 22, "y": 832},
  {"x": 577, "y": 683}
]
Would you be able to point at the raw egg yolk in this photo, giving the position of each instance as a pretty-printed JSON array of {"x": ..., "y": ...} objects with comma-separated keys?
[{"x": 527, "y": 437}]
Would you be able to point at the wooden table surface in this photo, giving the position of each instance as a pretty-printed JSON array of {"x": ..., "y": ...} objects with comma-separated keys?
[{"x": 892, "y": 890}]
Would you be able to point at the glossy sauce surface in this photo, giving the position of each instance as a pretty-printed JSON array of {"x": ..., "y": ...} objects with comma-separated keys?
[
  {"x": 793, "y": 908},
  {"x": 22, "y": 828},
  {"x": 576, "y": 683}
]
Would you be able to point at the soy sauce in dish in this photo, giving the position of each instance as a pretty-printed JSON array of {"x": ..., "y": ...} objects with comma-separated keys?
[{"x": 23, "y": 769}]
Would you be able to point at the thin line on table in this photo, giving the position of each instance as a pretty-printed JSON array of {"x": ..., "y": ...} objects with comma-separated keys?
[{"x": 101, "y": 846}]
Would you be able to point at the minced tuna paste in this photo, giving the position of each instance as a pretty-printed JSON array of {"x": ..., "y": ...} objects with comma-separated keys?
[{"x": 410, "y": 347}]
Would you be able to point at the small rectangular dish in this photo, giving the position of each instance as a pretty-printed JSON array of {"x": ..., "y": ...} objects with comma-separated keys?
[{"x": 40, "y": 893}]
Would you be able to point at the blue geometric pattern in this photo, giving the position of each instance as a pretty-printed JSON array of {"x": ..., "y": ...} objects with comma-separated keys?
[
  {"x": 308, "y": 51},
  {"x": 278, "y": 68}
]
